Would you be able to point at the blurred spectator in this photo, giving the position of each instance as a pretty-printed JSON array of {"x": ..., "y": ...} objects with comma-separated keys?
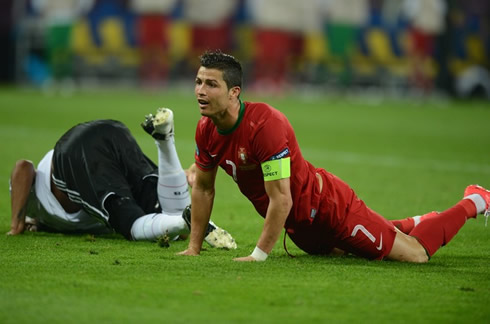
[
  {"x": 427, "y": 20},
  {"x": 278, "y": 26},
  {"x": 473, "y": 82},
  {"x": 58, "y": 17},
  {"x": 391, "y": 11},
  {"x": 390, "y": 43},
  {"x": 152, "y": 34},
  {"x": 315, "y": 52},
  {"x": 469, "y": 61},
  {"x": 344, "y": 21},
  {"x": 211, "y": 24}
]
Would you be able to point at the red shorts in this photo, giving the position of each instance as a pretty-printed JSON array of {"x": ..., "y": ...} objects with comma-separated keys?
[{"x": 345, "y": 222}]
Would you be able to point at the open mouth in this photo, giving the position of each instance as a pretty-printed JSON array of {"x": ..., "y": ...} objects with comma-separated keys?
[{"x": 202, "y": 103}]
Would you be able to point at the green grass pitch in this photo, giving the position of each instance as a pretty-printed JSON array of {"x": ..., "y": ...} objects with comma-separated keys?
[{"x": 403, "y": 157}]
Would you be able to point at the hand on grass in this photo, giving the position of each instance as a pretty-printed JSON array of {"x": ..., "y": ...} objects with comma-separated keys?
[
  {"x": 245, "y": 259},
  {"x": 17, "y": 228},
  {"x": 188, "y": 252}
]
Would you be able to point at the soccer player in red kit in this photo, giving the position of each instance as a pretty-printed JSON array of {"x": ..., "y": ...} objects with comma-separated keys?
[{"x": 256, "y": 145}]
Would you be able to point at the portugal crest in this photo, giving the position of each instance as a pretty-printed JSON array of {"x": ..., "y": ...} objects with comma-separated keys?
[{"x": 242, "y": 155}]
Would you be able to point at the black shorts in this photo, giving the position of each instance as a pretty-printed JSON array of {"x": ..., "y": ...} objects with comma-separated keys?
[{"x": 99, "y": 161}]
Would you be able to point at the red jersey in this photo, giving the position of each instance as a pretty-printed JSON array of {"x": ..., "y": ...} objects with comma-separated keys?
[{"x": 260, "y": 134}]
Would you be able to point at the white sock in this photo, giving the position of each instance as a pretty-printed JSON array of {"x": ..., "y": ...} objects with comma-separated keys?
[
  {"x": 479, "y": 202},
  {"x": 173, "y": 190},
  {"x": 151, "y": 226}
]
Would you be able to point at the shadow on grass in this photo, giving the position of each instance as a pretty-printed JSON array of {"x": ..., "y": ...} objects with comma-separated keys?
[
  {"x": 444, "y": 263},
  {"x": 85, "y": 236}
]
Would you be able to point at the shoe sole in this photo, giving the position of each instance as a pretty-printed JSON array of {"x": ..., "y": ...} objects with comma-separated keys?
[{"x": 162, "y": 117}]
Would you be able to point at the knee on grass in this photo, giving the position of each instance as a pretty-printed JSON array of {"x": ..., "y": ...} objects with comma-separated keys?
[{"x": 408, "y": 249}]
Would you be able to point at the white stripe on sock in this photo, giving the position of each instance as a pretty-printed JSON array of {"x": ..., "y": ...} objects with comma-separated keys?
[
  {"x": 479, "y": 202},
  {"x": 151, "y": 226}
]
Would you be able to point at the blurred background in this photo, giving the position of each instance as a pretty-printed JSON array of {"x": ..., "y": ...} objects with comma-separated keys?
[{"x": 393, "y": 46}]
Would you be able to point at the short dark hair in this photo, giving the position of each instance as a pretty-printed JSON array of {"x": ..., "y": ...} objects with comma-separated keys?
[{"x": 230, "y": 66}]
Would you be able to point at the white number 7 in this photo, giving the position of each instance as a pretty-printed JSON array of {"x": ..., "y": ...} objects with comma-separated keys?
[{"x": 233, "y": 169}]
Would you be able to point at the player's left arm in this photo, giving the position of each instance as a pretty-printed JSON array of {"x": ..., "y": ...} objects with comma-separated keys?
[{"x": 280, "y": 204}]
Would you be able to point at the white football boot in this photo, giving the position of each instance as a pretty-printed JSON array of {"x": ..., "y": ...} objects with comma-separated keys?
[
  {"x": 164, "y": 122},
  {"x": 160, "y": 125},
  {"x": 215, "y": 236},
  {"x": 219, "y": 238}
]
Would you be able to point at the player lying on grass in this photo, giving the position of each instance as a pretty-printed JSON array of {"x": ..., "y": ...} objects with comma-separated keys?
[
  {"x": 97, "y": 180},
  {"x": 256, "y": 145}
]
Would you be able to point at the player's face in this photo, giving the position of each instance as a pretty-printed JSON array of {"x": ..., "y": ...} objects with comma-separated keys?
[{"x": 212, "y": 92}]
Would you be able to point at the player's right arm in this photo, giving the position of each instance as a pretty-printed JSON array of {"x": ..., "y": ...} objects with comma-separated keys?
[
  {"x": 202, "y": 198},
  {"x": 21, "y": 182},
  {"x": 190, "y": 173}
]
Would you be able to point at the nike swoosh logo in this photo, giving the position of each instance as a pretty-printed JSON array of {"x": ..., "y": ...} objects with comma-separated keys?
[
  {"x": 213, "y": 155},
  {"x": 380, "y": 242}
]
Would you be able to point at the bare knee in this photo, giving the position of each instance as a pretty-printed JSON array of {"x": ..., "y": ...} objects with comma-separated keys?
[
  {"x": 408, "y": 249},
  {"x": 418, "y": 257}
]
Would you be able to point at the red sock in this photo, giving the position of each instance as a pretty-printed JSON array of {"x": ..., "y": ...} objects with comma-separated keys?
[
  {"x": 405, "y": 225},
  {"x": 434, "y": 232}
]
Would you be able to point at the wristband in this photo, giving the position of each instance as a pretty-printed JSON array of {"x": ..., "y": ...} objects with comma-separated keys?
[{"x": 258, "y": 254}]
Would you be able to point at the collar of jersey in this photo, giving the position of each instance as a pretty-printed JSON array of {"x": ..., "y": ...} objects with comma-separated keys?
[{"x": 240, "y": 117}]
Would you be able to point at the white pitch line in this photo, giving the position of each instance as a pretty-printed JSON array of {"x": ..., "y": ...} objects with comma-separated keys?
[
  {"x": 378, "y": 160},
  {"x": 396, "y": 162}
]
